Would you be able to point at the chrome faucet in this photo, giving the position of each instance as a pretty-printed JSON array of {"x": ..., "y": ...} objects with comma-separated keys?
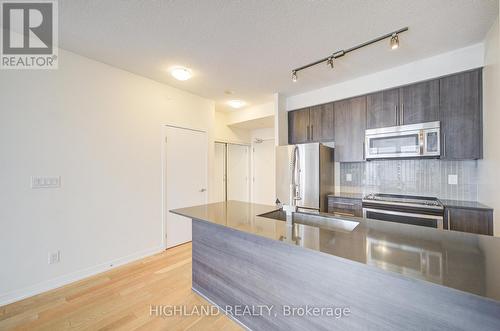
[{"x": 291, "y": 208}]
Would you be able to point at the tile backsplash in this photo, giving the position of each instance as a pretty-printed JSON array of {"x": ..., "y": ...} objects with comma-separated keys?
[{"x": 457, "y": 180}]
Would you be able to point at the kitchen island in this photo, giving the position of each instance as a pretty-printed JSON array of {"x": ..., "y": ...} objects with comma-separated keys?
[{"x": 385, "y": 275}]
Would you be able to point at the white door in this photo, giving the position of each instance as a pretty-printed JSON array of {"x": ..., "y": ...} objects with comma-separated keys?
[
  {"x": 238, "y": 166},
  {"x": 220, "y": 172},
  {"x": 263, "y": 173},
  {"x": 185, "y": 179}
]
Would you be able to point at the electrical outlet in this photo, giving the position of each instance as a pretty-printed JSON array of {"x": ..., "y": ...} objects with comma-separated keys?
[
  {"x": 452, "y": 179},
  {"x": 348, "y": 177},
  {"x": 54, "y": 257},
  {"x": 45, "y": 182}
]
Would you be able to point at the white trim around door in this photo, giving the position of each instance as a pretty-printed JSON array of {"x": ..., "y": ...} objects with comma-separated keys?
[{"x": 184, "y": 179}]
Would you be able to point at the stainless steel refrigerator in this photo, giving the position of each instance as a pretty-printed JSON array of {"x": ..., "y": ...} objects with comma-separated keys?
[{"x": 317, "y": 175}]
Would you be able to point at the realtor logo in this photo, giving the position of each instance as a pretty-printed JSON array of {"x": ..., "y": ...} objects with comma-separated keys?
[{"x": 29, "y": 34}]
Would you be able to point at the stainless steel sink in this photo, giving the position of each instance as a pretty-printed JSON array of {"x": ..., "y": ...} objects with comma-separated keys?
[{"x": 324, "y": 221}]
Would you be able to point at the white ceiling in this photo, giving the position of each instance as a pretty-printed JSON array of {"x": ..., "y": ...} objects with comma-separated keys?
[{"x": 250, "y": 47}]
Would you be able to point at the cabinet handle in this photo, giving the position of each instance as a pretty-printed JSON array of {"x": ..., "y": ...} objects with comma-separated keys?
[
  {"x": 444, "y": 144},
  {"x": 312, "y": 132},
  {"x": 402, "y": 119},
  {"x": 343, "y": 213},
  {"x": 307, "y": 138},
  {"x": 397, "y": 114},
  {"x": 343, "y": 203}
]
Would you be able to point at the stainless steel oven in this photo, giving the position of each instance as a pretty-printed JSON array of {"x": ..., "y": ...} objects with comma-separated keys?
[
  {"x": 414, "y": 210},
  {"x": 405, "y": 141}
]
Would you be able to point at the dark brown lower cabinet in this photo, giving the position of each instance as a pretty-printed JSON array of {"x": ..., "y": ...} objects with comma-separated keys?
[
  {"x": 345, "y": 206},
  {"x": 469, "y": 220}
]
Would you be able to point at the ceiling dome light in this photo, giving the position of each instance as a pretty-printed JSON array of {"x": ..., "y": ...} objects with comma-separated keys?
[
  {"x": 236, "y": 103},
  {"x": 181, "y": 73},
  {"x": 394, "y": 41}
]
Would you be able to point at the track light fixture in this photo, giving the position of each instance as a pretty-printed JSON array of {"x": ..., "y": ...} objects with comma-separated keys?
[
  {"x": 329, "y": 60},
  {"x": 394, "y": 41}
]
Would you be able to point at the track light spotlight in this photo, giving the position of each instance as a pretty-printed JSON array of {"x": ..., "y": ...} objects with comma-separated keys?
[
  {"x": 394, "y": 41},
  {"x": 330, "y": 61},
  {"x": 294, "y": 76}
]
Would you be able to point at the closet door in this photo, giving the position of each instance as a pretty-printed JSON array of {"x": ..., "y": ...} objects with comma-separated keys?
[
  {"x": 186, "y": 177},
  {"x": 220, "y": 172},
  {"x": 238, "y": 166}
]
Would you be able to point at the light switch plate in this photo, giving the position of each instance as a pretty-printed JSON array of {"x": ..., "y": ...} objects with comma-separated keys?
[
  {"x": 452, "y": 179},
  {"x": 348, "y": 177},
  {"x": 45, "y": 182}
]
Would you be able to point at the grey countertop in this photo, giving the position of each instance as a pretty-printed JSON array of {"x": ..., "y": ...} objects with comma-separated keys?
[
  {"x": 464, "y": 261},
  {"x": 464, "y": 204},
  {"x": 446, "y": 202}
]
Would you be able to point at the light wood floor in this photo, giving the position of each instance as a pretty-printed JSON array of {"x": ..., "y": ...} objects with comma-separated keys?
[{"x": 119, "y": 299}]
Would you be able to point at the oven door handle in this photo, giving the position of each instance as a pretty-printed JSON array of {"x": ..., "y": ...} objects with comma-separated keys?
[{"x": 439, "y": 219}]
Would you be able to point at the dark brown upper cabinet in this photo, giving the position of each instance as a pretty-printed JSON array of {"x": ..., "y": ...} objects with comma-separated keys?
[
  {"x": 322, "y": 120},
  {"x": 350, "y": 126},
  {"x": 298, "y": 126},
  {"x": 313, "y": 124},
  {"x": 454, "y": 100},
  {"x": 412, "y": 104},
  {"x": 416, "y": 103},
  {"x": 382, "y": 109},
  {"x": 419, "y": 103},
  {"x": 461, "y": 116}
]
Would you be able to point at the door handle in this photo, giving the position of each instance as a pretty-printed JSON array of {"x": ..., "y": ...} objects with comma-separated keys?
[{"x": 203, "y": 190}]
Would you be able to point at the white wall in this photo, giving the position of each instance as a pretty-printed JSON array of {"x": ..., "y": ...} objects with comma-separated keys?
[
  {"x": 489, "y": 177},
  {"x": 225, "y": 133},
  {"x": 280, "y": 120},
  {"x": 267, "y": 191},
  {"x": 264, "y": 133},
  {"x": 251, "y": 113},
  {"x": 100, "y": 129},
  {"x": 435, "y": 66}
]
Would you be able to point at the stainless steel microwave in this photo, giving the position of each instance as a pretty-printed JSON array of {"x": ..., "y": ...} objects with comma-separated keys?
[{"x": 404, "y": 141}]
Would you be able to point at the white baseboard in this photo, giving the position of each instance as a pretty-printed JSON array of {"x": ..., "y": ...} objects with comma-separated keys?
[{"x": 26, "y": 292}]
